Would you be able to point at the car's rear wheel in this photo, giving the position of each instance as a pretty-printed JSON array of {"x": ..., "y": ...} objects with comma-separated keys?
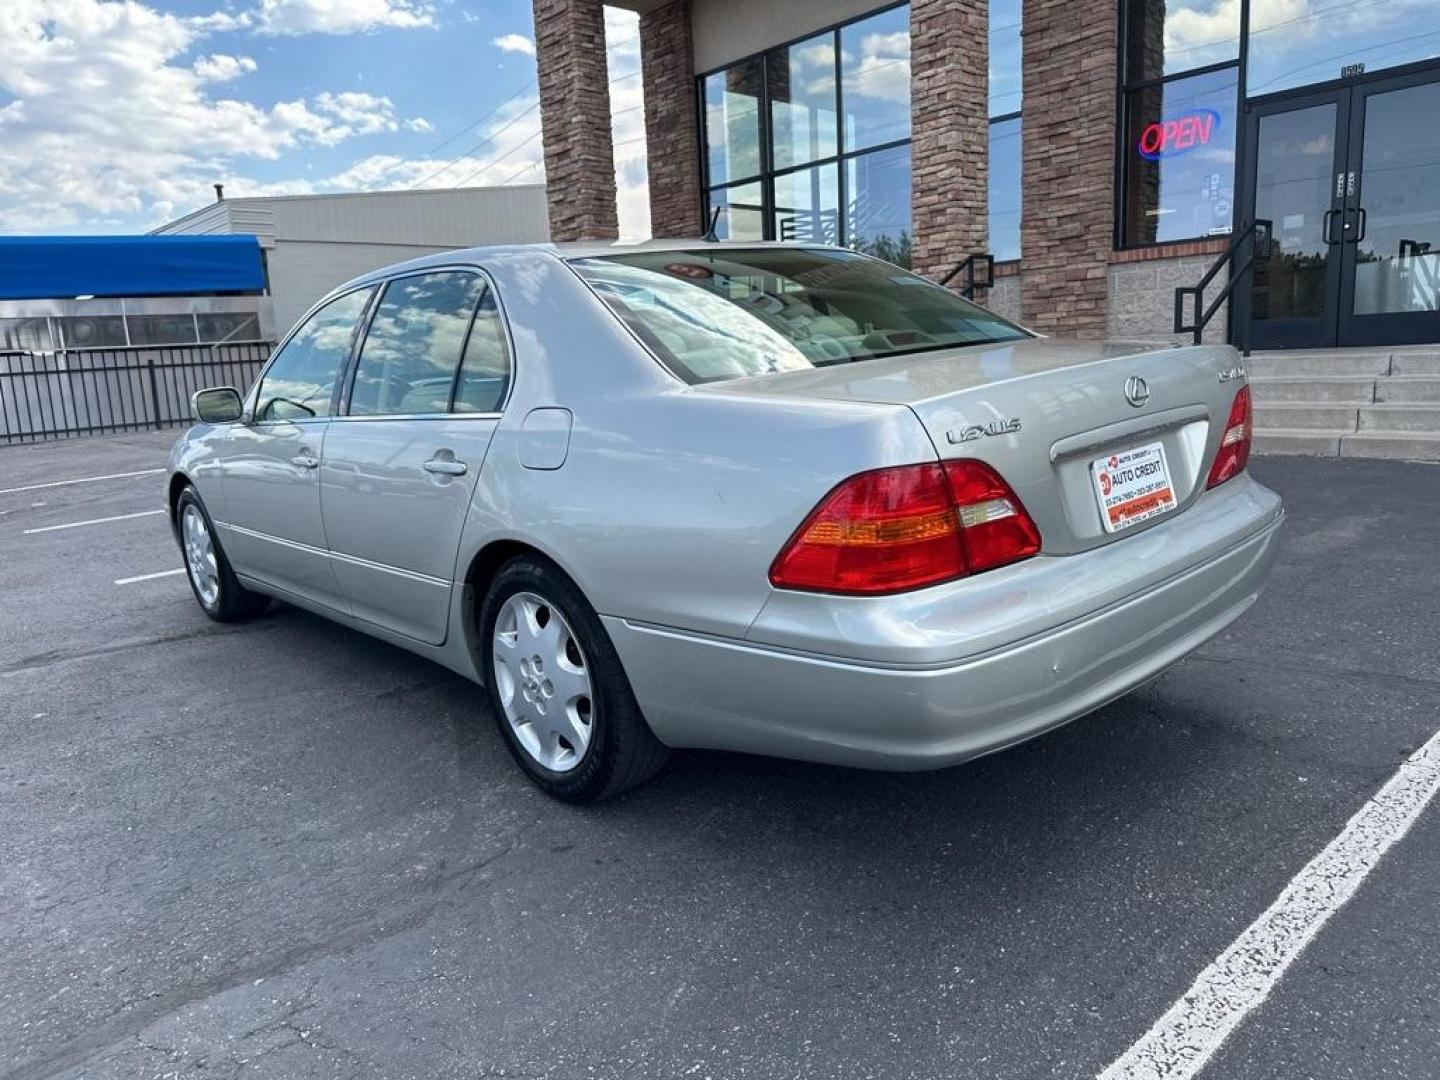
[
  {"x": 560, "y": 696},
  {"x": 216, "y": 588}
]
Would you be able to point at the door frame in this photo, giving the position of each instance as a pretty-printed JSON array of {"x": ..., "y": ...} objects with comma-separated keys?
[
  {"x": 1381, "y": 328},
  {"x": 1339, "y": 327},
  {"x": 1317, "y": 331}
]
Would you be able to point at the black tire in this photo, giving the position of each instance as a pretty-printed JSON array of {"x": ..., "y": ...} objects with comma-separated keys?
[
  {"x": 622, "y": 751},
  {"x": 233, "y": 602}
]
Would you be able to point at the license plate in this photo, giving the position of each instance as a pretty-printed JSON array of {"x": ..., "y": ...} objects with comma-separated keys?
[{"x": 1133, "y": 486}]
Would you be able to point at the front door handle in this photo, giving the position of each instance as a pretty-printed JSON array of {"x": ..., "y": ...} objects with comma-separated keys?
[
  {"x": 1327, "y": 229},
  {"x": 446, "y": 467},
  {"x": 1361, "y": 218},
  {"x": 305, "y": 461}
]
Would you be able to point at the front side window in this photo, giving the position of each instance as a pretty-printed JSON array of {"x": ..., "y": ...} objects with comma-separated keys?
[
  {"x": 300, "y": 382},
  {"x": 729, "y": 313},
  {"x": 407, "y": 363}
]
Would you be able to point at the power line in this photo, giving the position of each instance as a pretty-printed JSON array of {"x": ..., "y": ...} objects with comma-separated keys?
[
  {"x": 490, "y": 165},
  {"x": 474, "y": 123},
  {"x": 489, "y": 138}
]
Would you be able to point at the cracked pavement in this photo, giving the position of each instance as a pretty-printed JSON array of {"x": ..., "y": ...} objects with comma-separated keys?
[{"x": 287, "y": 850}]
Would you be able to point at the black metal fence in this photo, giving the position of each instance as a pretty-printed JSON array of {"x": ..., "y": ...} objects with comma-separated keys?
[{"x": 104, "y": 391}]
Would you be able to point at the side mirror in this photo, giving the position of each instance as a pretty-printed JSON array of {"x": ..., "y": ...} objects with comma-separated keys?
[{"x": 219, "y": 405}]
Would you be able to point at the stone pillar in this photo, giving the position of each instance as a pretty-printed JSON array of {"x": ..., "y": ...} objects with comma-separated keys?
[
  {"x": 575, "y": 119},
  {"x": 949, "y": 161},
  {"x": 1068, "y": 164},
  {"x": 672, "y": 135}
]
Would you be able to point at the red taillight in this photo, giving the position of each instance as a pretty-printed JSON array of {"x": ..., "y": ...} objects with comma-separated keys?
[
  {"x": 907, "y": 527},
  {"x": 1234, "y": 450}
]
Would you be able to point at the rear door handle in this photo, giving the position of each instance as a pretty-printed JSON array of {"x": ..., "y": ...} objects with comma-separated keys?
[
  {"x": 445, "y": 467},
  {"x": 305, "y": 461}
]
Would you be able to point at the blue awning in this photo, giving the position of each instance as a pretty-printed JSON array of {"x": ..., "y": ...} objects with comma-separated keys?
[{"x": 63, "y": 267}]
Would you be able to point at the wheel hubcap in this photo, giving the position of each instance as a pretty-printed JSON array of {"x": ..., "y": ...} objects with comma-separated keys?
[
  {"x": 544, "y": 682},
  {"x": 200, "y": 555}
]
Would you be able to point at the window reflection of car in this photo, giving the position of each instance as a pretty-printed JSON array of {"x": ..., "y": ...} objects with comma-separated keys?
[{"x": 793, "y": 501}]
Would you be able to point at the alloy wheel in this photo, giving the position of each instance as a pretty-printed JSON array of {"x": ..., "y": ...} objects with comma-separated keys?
[
  {"x": 543, "y": 679},
  {"x": 200, "y": 555}
]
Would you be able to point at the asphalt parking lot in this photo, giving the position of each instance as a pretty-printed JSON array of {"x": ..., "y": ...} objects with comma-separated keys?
[{"x": 285, "y": 849}]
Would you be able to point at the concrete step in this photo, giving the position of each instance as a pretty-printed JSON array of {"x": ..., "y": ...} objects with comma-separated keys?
[
  {"x": 1335, "y": 362},
  {"x": 1307, "y": 416},
  {"x": 1423, "y": 418},
  {"x": 1288, "y": 441},
  {"x": 1392, "y": 445},
  {"x": 1415, "y": 363},
  {"x": 1407, "y": 388},
  {"x": 1313, "y": 389}
]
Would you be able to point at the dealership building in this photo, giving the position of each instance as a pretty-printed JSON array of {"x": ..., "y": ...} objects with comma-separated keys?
[{"x": 1103, "y": 154}]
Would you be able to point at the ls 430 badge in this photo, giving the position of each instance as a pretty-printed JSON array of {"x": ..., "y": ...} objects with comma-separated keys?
[{"x": 976, "y": 431}]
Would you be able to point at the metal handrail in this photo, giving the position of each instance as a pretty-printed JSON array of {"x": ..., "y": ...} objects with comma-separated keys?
[
  {"x": 1261, "y": 230},
  {"x": 967, "y": 266}
]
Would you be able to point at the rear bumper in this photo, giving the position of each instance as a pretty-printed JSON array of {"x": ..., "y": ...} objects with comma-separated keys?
[{"x": 701, "y": 691}]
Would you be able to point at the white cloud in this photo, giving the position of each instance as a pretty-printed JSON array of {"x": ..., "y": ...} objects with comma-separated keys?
[
  {"x": 883, "y": 70},
  {"x": 341, "y": 16},
  {"x": 110, "y": 122},
  {"x": 222, "y": 68},
  {"x": 514, "y": 43}
]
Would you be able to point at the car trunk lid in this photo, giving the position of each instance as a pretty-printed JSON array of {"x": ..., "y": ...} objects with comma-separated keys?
[{"x": 1043, "y": 413}]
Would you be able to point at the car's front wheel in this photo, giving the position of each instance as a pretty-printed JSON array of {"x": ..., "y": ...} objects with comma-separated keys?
[
  {"x": 560, "y": 696},
  {"x": 217, "y": 590}
]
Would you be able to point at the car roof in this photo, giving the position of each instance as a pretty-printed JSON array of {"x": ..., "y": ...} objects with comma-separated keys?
[{"x": 574, "y": 250}]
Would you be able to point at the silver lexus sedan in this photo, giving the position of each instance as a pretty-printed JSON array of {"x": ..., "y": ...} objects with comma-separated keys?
[{"x": 780, "y": 499}]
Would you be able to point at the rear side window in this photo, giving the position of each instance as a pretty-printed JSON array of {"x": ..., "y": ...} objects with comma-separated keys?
[
  {"x": 485, "y": 372},
  {"x": 300, "y": 382},
  {"x": 412, "y": 349}
]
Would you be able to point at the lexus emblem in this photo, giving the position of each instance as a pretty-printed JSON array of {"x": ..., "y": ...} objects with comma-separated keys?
[{"x": 1137, "y": 391}]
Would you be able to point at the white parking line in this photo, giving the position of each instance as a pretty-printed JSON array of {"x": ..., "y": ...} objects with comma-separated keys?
[
  {"x": 148, "y": 577},
  {"x": 1240, "y": 979},
  {"x": 80, "y": 480},
  {"x": 92, "y": 521}
]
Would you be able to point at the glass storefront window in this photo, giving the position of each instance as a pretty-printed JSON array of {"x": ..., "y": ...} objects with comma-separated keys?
[
  {"x": 1164, "y": 37},
  {"x": 236, "y": 326},
  {"x": 92, "y": 331},
  {"x": 732, "y": 121},
  {"x": 25, "y": 335},
  {"x": 1179, "y": 158},
  {"x": 1295, "y": 44},
  {"x": 875, "y": 79},
  {"x": 807, "y": 205},
  {"x": 161, "y": 329},
  {"x": 802, "y": 101},
  {"x": 1005, "y": 189},
  {"x": 742, "y": 212},
  {"x": 877, "y": 212},
  {"x": 1004, "y": 57}
]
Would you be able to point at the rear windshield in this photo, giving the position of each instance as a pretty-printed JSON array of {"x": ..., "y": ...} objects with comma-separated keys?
[{"x": 725, "y": 313}]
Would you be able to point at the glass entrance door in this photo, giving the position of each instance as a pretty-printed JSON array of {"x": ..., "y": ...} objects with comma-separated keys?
[
  {"x": 1350, "y": 180},
  {"x": 1297, "y": 149},
  {"x": 1391, "y": 255}
]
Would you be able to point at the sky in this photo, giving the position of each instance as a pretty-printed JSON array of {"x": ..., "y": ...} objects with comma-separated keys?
[{"x": 120, "y": 115}]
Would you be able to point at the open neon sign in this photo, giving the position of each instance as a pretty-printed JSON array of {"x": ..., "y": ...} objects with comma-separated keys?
[{"x": 1176, "y": 135}]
